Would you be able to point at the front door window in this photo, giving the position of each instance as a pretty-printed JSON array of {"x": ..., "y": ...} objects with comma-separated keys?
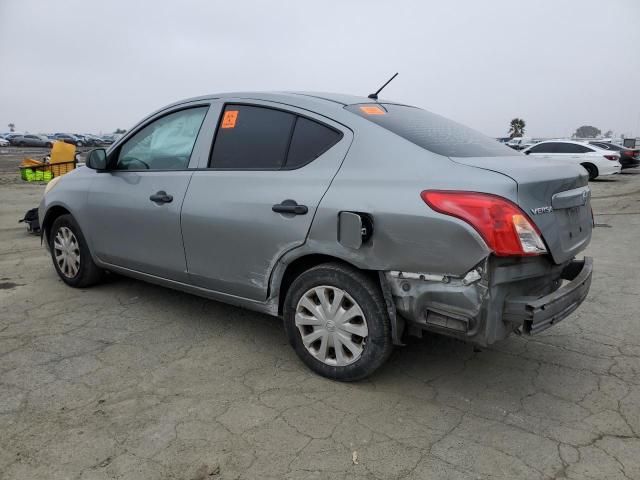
[{"x": 164, "y": 144}]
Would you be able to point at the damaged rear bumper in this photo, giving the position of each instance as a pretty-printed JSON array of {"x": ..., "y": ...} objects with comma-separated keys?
[
  {"x": 534, "y": 314},
  {"x": 499, "y": 296}
]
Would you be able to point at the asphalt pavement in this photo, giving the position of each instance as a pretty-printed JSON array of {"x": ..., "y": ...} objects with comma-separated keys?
[{"x": 133, "y": 381}]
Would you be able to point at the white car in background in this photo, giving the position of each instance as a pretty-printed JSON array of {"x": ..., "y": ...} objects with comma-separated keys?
[
  {"x": 3, "y": 142},
  {"x": 518, "y": 143},
  {"x": 597, "y": 161}
]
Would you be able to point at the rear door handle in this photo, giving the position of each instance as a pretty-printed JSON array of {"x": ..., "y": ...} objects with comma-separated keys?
[
  {"x": 161, "y": 197},
  {"x": 290, "y": 206}
]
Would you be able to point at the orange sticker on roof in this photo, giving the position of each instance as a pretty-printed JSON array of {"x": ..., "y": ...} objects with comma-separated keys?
[
  {"x": 372, "y": 110},
  {"x": 229, "y": 119}
]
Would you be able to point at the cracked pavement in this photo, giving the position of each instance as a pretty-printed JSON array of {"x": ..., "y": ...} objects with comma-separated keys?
[{"x": 132, "y": 381}]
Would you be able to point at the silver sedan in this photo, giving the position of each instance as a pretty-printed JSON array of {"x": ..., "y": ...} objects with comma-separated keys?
[{"x": 358, "y": 221}]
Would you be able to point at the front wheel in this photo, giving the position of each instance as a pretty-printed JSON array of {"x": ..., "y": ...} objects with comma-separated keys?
[
  {"x": 336, "y": 320},
  {"x": 70, "y": 254}
]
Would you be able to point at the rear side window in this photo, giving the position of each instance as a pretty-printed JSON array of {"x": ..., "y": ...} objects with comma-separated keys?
[
  {"x": 430, "y": 131},
  {"x": 310, "y": 140},
  {"x": 252, "y": 138},
  {"x": 261, "y": 138}
]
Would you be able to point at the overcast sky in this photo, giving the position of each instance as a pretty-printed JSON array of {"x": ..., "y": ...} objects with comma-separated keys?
[{"x": 94, "y": 66}]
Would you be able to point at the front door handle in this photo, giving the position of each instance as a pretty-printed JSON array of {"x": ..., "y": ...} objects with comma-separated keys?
[
  {"x": 290, "y": 206},
  {"x": 161, "y": 197}
]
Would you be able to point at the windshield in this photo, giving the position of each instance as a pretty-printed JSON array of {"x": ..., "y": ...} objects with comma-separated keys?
[{"x": 430, "y": 131}]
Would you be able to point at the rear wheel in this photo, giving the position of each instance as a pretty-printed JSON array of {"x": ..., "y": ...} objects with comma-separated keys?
[
  {"x": 591, "y": 169},
  {"x": 337, "y": 322},
  {"x": 70, "y": 254}
]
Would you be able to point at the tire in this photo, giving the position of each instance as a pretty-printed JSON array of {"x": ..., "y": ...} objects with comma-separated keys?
[
  {"x": 362, "y": 299},
  {"x": 66, "y": 233},
  {"x": 591, "y": 169}
]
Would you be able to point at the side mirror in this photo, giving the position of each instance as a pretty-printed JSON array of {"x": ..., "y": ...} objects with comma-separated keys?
[
  {"x": 97, "y": 159},
  {"x": 526, "y": 152}
]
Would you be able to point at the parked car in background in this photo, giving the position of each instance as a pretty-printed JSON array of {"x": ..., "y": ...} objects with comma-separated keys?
[
  {"x": 93, "y": 140},
  {"x": 80, "y": 139},
  {"x": 88, "y": 140},
  {"x": 9, "y": 136},
  {"x": 629, "y": 157},
  {"x": 528, "y": 144},
  {"x": 30, "y": 140},
  {"x": 354, "y": 220},
  {"x": 68, "y": 138},
  {"x": 518, "y": 143},
  {"x": 4, "y": 142},
  {"x": 597, "y": 161}
]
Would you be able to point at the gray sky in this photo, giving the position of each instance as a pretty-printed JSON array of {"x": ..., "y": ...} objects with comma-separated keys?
[{"x": 91, "y": 66}]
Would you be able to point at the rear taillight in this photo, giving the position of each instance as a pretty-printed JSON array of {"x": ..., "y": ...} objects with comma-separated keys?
[
  {"x": 611, "y": 157},
  {"x": 502, "y": 224}
]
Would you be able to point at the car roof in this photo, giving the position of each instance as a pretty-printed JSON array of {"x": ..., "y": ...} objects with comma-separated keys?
[
  {"x": 562, "y": 140},
  {"x": 330, "y": 105},
  {"x": 297, "y": 99},
  {"x": 575, "y": 142}
]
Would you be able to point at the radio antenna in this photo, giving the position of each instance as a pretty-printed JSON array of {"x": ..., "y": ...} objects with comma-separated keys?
[{"x": 374, "y": 96}]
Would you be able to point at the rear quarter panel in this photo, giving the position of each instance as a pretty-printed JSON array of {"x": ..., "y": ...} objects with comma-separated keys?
[{"x": 383, "y": 176}]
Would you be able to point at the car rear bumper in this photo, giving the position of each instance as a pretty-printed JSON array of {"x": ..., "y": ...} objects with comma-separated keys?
[
  {"x": 632, "y": 163},
  {"x": 500, "y": 296},
  {"x": 534, "y": 315},
  {"x": 609, "y": 169}
]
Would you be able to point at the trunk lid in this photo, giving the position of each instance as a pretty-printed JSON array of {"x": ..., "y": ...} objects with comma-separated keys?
[{"x": 556, "y": 198}]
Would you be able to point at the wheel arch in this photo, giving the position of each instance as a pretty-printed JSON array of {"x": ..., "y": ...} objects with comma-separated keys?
[
  {"x": 589, "y": 167},
  {"x": 50, "y": 216},
  {"x": 286, "y": 272}
]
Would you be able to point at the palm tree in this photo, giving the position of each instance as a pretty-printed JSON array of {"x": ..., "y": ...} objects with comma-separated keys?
[
  {"x": 12, "y": 127},
  {"x": 517, "y": 127}
]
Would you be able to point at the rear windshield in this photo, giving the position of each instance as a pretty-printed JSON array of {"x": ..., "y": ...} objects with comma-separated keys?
[{"x": 430, "y": 131}]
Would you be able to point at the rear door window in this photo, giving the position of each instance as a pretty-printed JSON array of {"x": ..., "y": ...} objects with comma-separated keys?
[
  {"x": 584, "y": 149},
  {"x": 310, "y": 140},
  {"x": 430, "y": 131},
  {"x": 572, "y": 148},
  {"x": 252, "y": 138},
  {"x": 260, "y": 138}
]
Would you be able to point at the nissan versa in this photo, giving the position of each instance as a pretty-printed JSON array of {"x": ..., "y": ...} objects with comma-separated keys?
[{"x": 358, "y": 221}]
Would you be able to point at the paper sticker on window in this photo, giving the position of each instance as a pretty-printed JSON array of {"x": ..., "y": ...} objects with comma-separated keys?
[
  {"x": 372, "y": 110},
  {"x": 229, "y": 119}
]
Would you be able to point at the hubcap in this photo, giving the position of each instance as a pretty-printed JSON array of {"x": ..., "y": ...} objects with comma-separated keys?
[
  {"x": 332, "y": 325},
  {"x": 66, "y": 251}
]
